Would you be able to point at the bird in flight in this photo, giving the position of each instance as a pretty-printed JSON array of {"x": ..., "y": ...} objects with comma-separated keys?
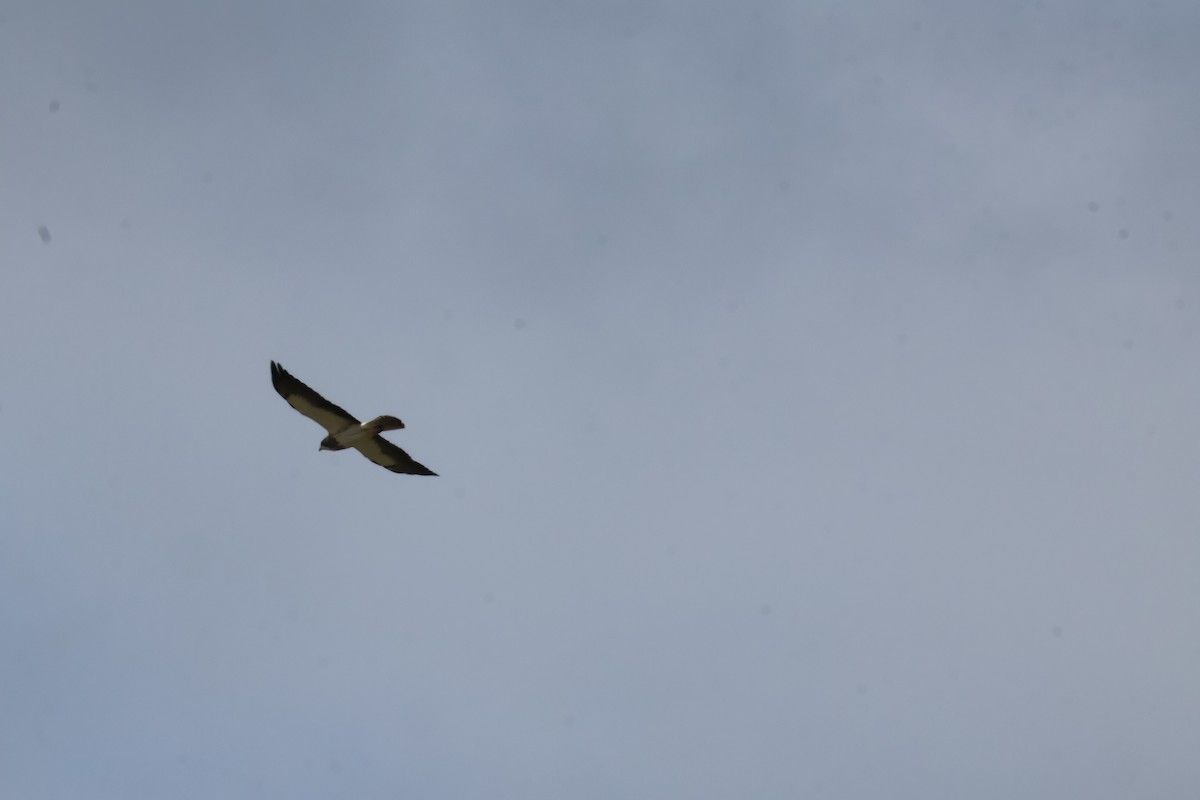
[{"x": 344, "y": 430}]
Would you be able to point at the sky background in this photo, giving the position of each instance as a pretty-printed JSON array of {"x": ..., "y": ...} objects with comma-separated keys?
[{"x": 813, "y": 385}]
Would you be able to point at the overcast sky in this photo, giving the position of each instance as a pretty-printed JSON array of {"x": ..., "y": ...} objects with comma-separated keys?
[{"x": 813, "y": 386}]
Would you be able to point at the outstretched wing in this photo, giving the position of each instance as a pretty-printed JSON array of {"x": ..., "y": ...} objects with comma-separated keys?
[
  {"x": 389, "y": 456},
  {"x": 330, "y": 417}
]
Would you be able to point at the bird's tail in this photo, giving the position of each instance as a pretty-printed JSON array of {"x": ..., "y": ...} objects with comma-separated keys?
[{"x": 384, "y": 423}]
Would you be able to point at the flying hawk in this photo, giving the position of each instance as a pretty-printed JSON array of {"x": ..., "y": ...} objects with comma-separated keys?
[{"x": 344, "y": 430}]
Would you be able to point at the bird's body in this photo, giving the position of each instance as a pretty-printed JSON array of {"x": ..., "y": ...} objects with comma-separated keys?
[
  {"x": 355, "y": 434},
  {"x": 344, "y": 430}
]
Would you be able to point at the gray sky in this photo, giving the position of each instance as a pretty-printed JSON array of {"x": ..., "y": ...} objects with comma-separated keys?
[{"x": 813, "y": 387}]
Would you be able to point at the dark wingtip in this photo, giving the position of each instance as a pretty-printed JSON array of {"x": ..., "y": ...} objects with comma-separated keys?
[
  {"x": 413, "y": 469},
  {"x": 278, "y": 375}
]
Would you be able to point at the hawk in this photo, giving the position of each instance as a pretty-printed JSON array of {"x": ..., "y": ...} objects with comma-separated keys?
[{"x": 344, "y": 430}]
